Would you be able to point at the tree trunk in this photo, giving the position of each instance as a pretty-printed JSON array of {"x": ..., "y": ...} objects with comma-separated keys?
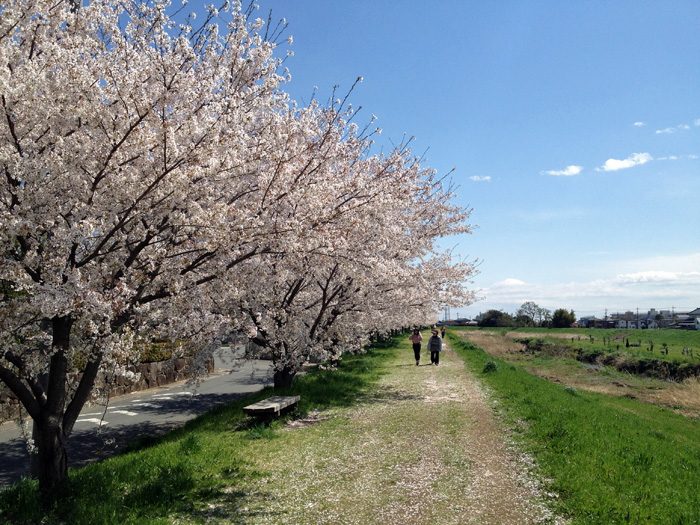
[
  {"x": 52, "y": 456},
  {"x": 51, "y": 442},
  {"x": 283, "y": 378}
]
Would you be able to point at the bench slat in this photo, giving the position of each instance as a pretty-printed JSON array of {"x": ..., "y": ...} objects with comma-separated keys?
[{"x": 271, "y": 405}]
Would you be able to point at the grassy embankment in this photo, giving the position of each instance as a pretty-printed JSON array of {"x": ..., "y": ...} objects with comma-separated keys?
[
  {"x": 590, "y": 360},
  {"x": 190, "y": 471},
  {"x": 610, "y": 459}
]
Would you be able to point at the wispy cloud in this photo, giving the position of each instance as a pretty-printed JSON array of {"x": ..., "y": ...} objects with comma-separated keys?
[
  {"x": 677, "y": 157},
  {"x": 636, "y": 159},
  {"x": 477, "y": 178},
  {"x": 567, "y": 172},
  {"x": 666, "y": 131},
  {"x": 639, "y": 124}
]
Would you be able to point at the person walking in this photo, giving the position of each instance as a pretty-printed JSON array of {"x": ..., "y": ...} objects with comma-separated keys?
[
  {"x": 416, "y": 339},
  {"x": 435, "y": 347},
  {"x": 443, "y": 330}
]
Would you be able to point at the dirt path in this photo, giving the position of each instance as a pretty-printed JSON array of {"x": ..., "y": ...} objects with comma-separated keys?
[
  {"x": 422, "y": 447},
  {"x": 493, "y": 487}
]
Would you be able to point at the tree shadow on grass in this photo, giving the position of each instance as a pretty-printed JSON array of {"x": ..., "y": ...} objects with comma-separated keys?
[{"x": 151, "y": 483}]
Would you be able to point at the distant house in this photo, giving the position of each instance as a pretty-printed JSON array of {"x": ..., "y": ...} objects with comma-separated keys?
[
  {"x": 649, "y": 324},
  {"x": 685, "y": 323},
  {"x": 593, "y": 322},
  {"x": 460, "y": 321},
  {"x": 695, "y": 314}
]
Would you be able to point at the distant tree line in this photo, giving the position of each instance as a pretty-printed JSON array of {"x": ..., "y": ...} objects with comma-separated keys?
[{"x": 529, "y": 314}]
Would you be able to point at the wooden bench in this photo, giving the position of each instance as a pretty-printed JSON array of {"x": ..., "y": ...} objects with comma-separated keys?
[{"x": 272, "y": 406}]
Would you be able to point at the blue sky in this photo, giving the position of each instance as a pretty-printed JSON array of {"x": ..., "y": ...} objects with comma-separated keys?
[{"x": 573, "y": 128}]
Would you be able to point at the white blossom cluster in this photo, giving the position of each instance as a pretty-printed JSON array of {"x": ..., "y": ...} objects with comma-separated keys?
[{"x": 156, "y": 180}]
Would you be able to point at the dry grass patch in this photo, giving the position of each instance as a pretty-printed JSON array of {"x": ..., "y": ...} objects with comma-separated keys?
[{"x": 494, "y": 343}]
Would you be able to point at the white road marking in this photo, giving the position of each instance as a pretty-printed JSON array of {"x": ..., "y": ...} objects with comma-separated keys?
[
  {"x": 170, "y": 396},
  {"x": 125, "y": 412},
  {"x": 93, "y": 420}
]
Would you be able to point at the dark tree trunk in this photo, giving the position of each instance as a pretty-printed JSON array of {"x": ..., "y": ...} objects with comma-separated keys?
[
  {"x": 52, "y": 456},
  {"x": 51, "y": 441},
  {"x": 284, "y": 377}
]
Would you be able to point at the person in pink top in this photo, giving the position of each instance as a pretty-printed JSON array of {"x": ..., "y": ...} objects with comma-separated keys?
[{"x": 416, "y": 339}]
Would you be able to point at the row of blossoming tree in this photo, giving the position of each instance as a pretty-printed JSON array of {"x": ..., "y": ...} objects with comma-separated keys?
[{"x": 158, "y": 182}]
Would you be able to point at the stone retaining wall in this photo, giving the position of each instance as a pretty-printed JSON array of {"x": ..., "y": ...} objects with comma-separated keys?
[{"x": 152, "y": 375}]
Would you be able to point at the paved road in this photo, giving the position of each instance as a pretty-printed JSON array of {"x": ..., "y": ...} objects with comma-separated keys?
[{"x": 98, "y": 435}]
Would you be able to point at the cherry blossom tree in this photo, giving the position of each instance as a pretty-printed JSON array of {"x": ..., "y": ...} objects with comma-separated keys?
[
  {"x": 371, "y": 264},
  {"x": 134, "y": 155},
  {"x": 156, "y": 180}
]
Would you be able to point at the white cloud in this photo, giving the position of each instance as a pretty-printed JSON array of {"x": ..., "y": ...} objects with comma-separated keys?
[
  {"x": 677, "y": 157},
  {"x": 639, "y": 124},
  {"x": 510, "y": 282},
  {"x": 672, "y": 130},
  {"x": 646, "y": 289},
  {"x": 477, "y": 178},
  {"x": 567, "y": 172},
  {"x": 636, "y": 159},
  {"x": 697, "y": 122}
]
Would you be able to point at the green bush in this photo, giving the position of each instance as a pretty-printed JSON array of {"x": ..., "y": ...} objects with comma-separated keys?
[{"x": 491, "y": 366}]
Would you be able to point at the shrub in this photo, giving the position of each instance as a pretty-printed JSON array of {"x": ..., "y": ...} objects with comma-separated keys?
[{"x": 491, "y": 366}]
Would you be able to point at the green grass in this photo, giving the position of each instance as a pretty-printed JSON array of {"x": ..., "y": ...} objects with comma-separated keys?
[
  {"x": 181, "y": 473},
  {"x": 593, "y": 338},
  {"x": 671, "y": 355},
  {"x": 610, "y": 460}
]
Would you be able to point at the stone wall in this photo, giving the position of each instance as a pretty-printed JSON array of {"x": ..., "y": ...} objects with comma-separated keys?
[{"x": 152, "y": 375}]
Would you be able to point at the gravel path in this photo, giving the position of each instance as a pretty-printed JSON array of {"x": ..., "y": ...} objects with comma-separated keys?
[
  {"x": 422, "y": 447},
  {"x": 494, "y": 487}
]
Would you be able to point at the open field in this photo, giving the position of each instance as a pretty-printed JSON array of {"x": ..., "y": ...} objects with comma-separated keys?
[
  {"x": 560, "y": 365},
  {"x": 650, "y": 342},
  {"x": 609, "y": 459}
]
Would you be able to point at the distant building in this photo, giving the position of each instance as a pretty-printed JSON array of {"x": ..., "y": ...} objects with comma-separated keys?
[
  {"x": 684, "y": 323},
  {"x": 695, "y": 314},
  {"x": 594, "y": 322}
]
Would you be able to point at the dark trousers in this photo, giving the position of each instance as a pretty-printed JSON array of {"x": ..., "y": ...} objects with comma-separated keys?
[
  {"x": 434, "y": 357},
  {"x": 416, "y": 351}
]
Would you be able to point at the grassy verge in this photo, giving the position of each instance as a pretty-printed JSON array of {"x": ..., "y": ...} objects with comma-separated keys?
[
  {"x": 554, "y": 358},
  {"x": 683, "y": 345},
  {"x": 610, "y": 459},
  {"x": 186, "y": 475}
]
